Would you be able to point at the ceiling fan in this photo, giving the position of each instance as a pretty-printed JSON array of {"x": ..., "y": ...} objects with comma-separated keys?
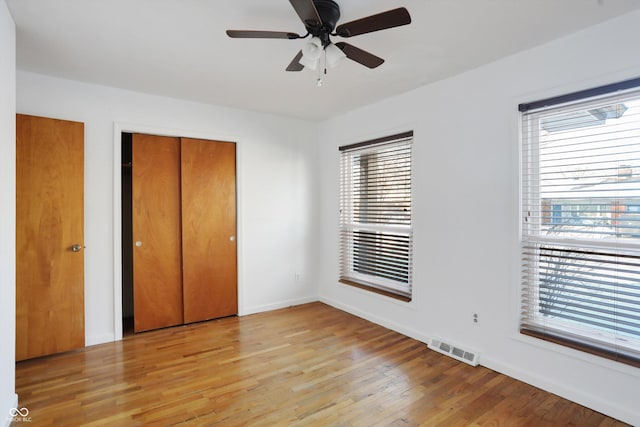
[{"x": 320, "y": 18}]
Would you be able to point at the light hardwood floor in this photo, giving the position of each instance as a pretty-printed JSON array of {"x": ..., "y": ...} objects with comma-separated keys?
[{"x": 309, "y": 365}]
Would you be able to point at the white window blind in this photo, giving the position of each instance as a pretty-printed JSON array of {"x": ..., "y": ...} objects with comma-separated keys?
[
  {"x": 375, "y": 214},
  {"x": 581, "y": 224}
]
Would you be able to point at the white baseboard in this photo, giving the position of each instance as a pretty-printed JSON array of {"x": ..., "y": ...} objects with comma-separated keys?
[
  {"x": 275, "y": 306},
  {"x": 608, "y": 408},
  {"x": 411, "y": 333},
  {"x": 105, "y": 338},
  {"x": 5, "y": 419},
  {"x": 98, "y": 339}
]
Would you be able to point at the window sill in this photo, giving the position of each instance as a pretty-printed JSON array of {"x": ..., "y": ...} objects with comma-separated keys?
[{"x": 375, "y": 290}]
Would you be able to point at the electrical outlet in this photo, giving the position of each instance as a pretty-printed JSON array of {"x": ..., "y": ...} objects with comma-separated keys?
[
  {"x": 476, "y": 319},
  {"x": 297, "y": 277}
]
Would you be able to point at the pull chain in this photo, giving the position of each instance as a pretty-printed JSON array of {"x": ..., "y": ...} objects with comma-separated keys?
[{"x": 319, "y": 81}]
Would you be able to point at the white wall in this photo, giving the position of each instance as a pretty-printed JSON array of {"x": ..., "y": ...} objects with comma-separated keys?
[
  {"x": 273, "y": 187},
  {"x": 8, "y": 398},
  {"x": 466, "y": 210}
]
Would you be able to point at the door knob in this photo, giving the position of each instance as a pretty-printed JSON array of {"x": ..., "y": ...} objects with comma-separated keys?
[
  {"x": 76, "y": 248},
  {"x": 138, "y": 243}
]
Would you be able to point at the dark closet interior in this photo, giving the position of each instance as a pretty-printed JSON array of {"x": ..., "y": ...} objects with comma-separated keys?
[{"x": 127, "y": 236}]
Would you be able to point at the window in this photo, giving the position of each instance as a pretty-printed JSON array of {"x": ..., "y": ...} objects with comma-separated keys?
[
  {"x": 581, "y": 221},
  {"x": 375, "y": 215}
]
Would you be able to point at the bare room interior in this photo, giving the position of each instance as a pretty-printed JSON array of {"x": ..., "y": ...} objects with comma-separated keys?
[{"x": 318, "y": 212}]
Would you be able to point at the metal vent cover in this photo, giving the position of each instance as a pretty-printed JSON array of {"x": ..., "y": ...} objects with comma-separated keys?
[{"x": 457, "y": 352}]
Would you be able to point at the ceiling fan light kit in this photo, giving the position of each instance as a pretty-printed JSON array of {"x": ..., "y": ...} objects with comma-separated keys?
[
  {"x": 311, "y": 53},
  {"x": 334, "y": 55},
  {"x": 320, "y": 18}
]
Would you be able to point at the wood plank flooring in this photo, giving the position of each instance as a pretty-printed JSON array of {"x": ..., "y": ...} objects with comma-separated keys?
[{"x": 309, "y": 365}]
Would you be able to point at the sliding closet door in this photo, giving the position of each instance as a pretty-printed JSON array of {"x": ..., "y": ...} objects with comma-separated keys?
[
  {"x": 209, "y": 229},
  {"x": 157, "y": 265}
]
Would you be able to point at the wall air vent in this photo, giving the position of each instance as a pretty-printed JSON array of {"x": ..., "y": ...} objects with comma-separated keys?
[{"x": 450, "y": 349}]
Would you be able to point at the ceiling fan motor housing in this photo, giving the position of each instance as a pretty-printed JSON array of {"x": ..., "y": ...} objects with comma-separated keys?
[{"x": 329, "y": 12}]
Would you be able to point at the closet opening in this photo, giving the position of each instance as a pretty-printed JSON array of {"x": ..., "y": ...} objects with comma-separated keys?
[
  {"x": 178, "y": 215},
  {"x": 127, "y": 236}
]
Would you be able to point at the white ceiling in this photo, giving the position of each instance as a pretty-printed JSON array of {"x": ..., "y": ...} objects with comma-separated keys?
[{"x": 178, "y": 48}]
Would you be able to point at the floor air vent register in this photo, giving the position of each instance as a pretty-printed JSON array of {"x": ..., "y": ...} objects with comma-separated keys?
[{"x": 452, "y": 350}]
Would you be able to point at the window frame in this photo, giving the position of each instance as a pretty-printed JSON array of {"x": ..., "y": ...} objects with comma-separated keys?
[
  {"x": 532, "y": 239},
  {"x": 383, "y": 230}
]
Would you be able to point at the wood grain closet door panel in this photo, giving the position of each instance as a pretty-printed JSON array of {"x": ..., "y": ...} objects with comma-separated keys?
[
  {"x": 49, "y": 222},
  {"x": 209, "y": 229},
  {"x": 157, "y": 265}
]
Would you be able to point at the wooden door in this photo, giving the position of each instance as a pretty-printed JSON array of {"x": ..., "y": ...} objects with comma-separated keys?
[
  {"x": 209, "y": 229},
  {"x": 49, "y": 236},
  {"x": 157, "y": 265}
]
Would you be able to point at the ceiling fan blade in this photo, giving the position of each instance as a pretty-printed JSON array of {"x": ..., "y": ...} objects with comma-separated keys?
[
  {"x": 249, "y": 34},
  {"x": 307, "y": 12},
  {"x": 380, "y": 21},
  {"x": 361, "y": 56},
  {"x": 295, "y": 64}
]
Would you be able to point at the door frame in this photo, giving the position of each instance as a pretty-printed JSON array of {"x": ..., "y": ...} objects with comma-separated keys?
[{"x": 118, "y": 129}]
